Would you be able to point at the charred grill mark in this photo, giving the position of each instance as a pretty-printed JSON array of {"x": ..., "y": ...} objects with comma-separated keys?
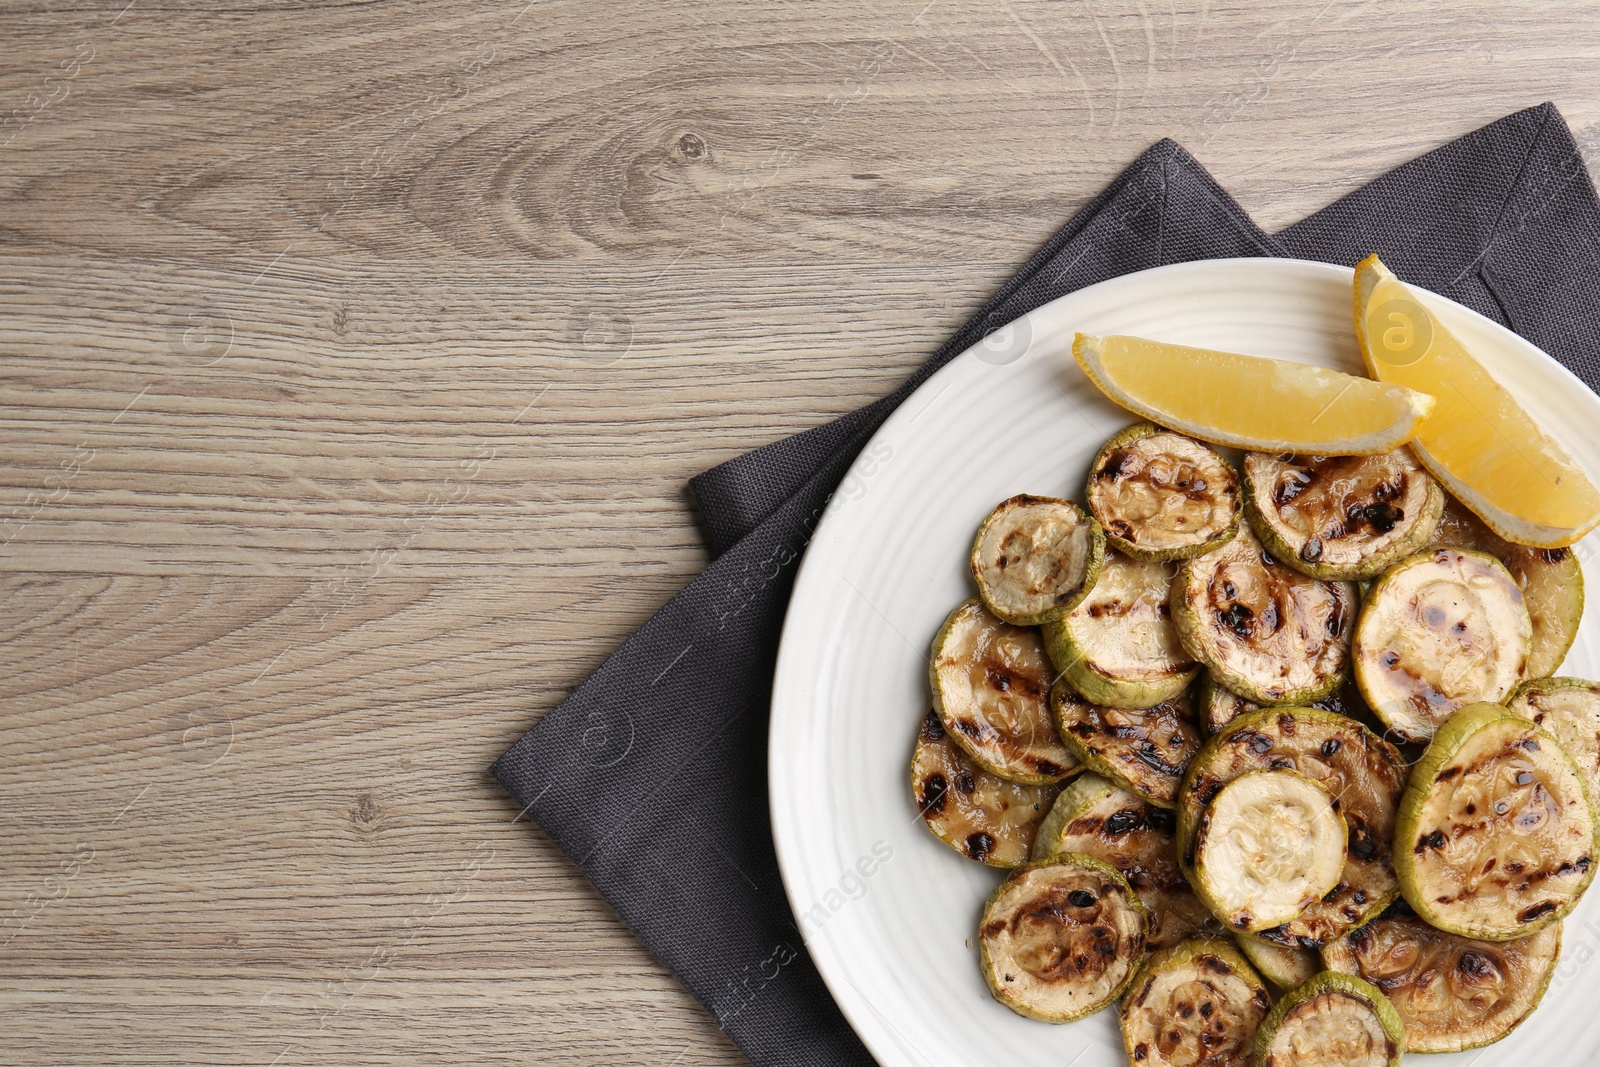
[
  {"x": 1239, "y": 619},
  {"x": 1112, "y": 468},
  {"x": 1048, "y": 769},
  {"x": 1382, "y": 517},
  {"x": 932, "y": 729},
  {"x": 1537, "y": 911},
  {"x": 1151, "y": 757},
  {"x": 1206, "y": 789},
  {"x": 965, "y": 783},
  {"x": 1165, "y": 822},
  {"x": 980, "y": 845},
  {"x": 1434, "y": 840},
  {"x": 1361, "y": 844},
  {"x": 934, "y": 791},
  {"x": 1336, "y": 619},
  {"x": 1449, "y": 773},
  {"x": 1331, "y": 746},
  {"x": 1006, "y": 680},
  {"x": 1122, "y": 822},
  {"x": 1291, "y": 483},
  {"x": 1553, "y": 555},
  {"x": 1211, "y": 963},
  {"x": 1110, "y": 609}
]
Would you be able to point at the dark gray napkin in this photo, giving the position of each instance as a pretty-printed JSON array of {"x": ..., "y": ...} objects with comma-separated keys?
[{"x": 651, "y": 775}]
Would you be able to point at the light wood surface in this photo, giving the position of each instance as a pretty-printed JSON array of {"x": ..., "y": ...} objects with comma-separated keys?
[{"x": 355, "y": 356}]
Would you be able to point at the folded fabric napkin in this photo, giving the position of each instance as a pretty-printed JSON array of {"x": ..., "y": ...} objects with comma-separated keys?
[{"x": 652, "y": 774}]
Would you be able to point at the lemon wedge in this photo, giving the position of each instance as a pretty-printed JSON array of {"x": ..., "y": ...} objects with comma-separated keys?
[
  {"x": 1478, "y": 442},
  {"x": 1250, "y": 402}
]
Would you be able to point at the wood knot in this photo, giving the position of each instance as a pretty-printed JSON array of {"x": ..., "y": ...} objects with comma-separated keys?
[
  {"x": 691, "y": 148},
  {"x": 366, "y": 815}
]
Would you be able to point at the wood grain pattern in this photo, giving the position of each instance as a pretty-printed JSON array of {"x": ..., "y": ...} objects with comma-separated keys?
[{"x": 355, "y": 355}]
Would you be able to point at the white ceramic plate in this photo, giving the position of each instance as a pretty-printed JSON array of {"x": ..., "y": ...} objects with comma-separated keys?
[{"x": 888, "y": 911}]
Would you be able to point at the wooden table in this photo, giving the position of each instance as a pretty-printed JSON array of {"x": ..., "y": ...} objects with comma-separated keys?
[{"x": 355, "y": 356}]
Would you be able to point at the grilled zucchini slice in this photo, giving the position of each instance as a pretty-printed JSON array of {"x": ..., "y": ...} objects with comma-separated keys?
[
  {"x": 1269, "y": 633},
  {"x": 1285, "y": 967},
  {"x": 1568, "y": 709},
  {"x": 1096, "y": 817},
  {"x": 980, "y": 815},
  {"x": 1196, "y": 1004},
  {"x": 1343, "y": 518},
  {"x": 1118, "y": 647},
  {"x": 1551, "y": 580},
  {"x": 1035, "y": 558},
  {"x": 1061, "y": 938},
  {"x": 1451, "y": 993},
  {"x": 991, "y": 685},
  {"x": 1219, "y": 705},
  {"x": 1360, "y": 769},
  {"x": 1144, "y": 750},
  {"x": 1495, "y": 836},
  {"x": 1334, "y": 1020},
  {"x": 1161, "y": 495},
  {"x": 1440, "y": 630},
  {"x": 1268, "y": 846}
]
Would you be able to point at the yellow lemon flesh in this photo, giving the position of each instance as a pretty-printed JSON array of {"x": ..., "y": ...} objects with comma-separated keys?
[
  {"x": 1478, "y": 441},
  {"x": 1250, "y": 402}
]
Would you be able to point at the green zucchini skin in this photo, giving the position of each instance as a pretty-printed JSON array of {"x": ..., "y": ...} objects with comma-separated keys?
[
  {"x": 1143, "y": 750},
  {"x": 1332, "y": 990},
  {"x": 1267, "y": 632},
  {"x": 980, "y": 815},
  {"x": 1085, "y": 911},
  {"x": 1451, "y": 993},
  {"x": 1198, "y": 1002},
  {"x": 991, "y": 684},
  {"x": 1519, "y": 854},
  {"x": 1365, "y": 772},
  {"x": 1208, "y": 528},
  {"x": 1117, "y": 647},
  {"x": 1374, "y": 541},
  {"x": 1082, "y": 545},
  {"x": 1569, "y": 710}
]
